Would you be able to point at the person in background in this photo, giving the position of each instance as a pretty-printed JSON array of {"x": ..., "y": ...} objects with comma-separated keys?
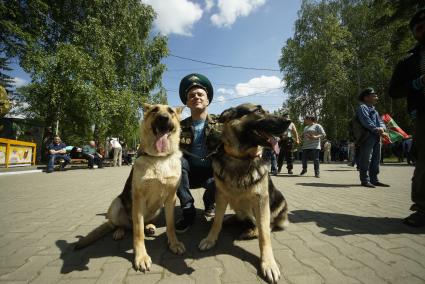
[
  {"x": 327, "y": 152},
  {"x": 57, "y": 150},
  {"x": 116, "y": 147},
  {"x": 286, "y": 143},
  {"x": 311, "y": 136},
  {"x": 370, "y": 149},
  {"x": 408, "y": 80},
  {"x": 93, "y": 157}
]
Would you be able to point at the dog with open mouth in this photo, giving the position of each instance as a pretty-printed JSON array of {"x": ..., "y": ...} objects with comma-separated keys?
[
  {"x": 243, "y": 182},
  {"x": 152, "y": 184}
]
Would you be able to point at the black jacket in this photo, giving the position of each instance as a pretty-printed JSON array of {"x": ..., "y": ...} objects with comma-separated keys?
[{"x": 401, "y": 84}]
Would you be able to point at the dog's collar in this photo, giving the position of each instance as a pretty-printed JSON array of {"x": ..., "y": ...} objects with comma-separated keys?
[{"x": 251, "y": 153}]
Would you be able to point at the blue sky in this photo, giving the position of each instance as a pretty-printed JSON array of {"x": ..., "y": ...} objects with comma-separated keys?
[{"x": 247, "y": 33}]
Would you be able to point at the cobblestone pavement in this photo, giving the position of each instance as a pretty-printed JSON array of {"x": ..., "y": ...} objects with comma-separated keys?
[{"x": 339, "y": 233}]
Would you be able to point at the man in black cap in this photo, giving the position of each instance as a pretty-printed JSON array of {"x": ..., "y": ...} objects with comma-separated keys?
[
  {"x": 200, "y": 136},
  {"x": 408, "y": 81},
  {"x": 370, "y": 148}
]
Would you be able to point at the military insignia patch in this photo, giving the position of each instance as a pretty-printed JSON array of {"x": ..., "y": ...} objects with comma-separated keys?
[{"x": 193, "y": 78}]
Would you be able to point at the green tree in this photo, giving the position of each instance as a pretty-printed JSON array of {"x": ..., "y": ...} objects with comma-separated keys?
[
  {"x": 337, "y": 50},
  {"x": 92, "y": 63}
]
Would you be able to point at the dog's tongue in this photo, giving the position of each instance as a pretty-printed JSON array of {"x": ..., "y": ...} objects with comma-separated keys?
[
  {"x": 162, "y": 142},
  {"x": 274, "y": 144}
]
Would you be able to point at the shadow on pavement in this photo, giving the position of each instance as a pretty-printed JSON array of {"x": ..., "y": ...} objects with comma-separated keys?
[
  {"x": 336, "y": 224},
  {"x": 156, "y": 246},
  {"x": 318, "y": 184}
]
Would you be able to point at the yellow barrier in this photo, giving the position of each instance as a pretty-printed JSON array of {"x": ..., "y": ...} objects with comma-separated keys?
[{"x": 14, "y": 152}]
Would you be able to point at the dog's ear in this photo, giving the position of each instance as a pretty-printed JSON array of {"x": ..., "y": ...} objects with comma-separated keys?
[
  {"x": 179, "y": 110},
  {"x": 146, "y": 107},
  {"x": 227, "y": 115}
]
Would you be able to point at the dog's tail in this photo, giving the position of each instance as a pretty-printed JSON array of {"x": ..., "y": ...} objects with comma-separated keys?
[{"x": 95, "y": 235}]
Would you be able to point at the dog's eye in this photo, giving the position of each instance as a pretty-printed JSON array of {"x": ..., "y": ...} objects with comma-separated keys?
[
  {"x": 155, "y": 109},
  {"x": 259, "y": 111},
  {"x": 170, "y": 110}
]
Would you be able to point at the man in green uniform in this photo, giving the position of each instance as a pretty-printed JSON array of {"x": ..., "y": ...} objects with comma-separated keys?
[
  {"x": 200, "y": 136},
  {"x": 408, "y": 81}
]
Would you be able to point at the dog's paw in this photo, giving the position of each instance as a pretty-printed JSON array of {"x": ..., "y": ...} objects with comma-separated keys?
[
  {"x": 118, "y": 234},
  {"x": 206, "y": 244},
  {"x": 150, "y": 229},
  {"x": 142, "y": 262},
  {"x": 177, "y": 247},
  {"x": 270, "y": 270}
]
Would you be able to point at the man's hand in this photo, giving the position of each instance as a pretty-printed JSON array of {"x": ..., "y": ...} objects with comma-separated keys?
[
  {"x": 385, "y": 134},
  {"x": 52, "y": 152},
  {"x": 380, "y": 130},
  {"x": 100, "y": 156}
]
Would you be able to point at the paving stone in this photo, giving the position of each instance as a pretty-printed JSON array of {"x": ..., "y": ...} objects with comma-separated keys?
[
  {"x": 207, "y": 275},
  {"x": 113, "y": 273},
  {"x": 306, "y": 279},
  {"x": 29, "y": 270},
  {"x": 47, "y": 275},
  {"x": 329, "y": 273},
  {"x": 235, "y": 269},
  {"x": 143, "y": 278}
]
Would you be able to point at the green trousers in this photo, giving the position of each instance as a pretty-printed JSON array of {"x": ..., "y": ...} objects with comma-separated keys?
[{"x": 418, "y": 180}]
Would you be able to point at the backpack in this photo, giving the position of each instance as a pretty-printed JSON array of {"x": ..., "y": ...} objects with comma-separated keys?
[{"x": 357, "y": 132}]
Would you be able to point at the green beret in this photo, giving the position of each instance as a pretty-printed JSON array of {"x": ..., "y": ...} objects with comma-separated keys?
[
  {"x": 366, "y": 92},
  {"x": 192, "y": 80},
  {"x": 417, "y": 18}
]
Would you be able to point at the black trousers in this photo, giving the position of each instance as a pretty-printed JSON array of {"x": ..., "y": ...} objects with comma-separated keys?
[
  {"x": 286, "y": 147},
  {"x": 93, "y": 160},
  {"x": 194, "y": 178}
]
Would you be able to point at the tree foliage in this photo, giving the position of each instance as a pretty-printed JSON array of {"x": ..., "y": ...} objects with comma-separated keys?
[
  {"x": 92, "y": 63},
  {"x": 338, "y": 49}
]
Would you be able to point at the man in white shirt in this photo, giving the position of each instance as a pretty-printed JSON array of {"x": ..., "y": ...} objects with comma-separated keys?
[
  {"x": 116, "y": 146},
  {"x": 311, "y": 136}
]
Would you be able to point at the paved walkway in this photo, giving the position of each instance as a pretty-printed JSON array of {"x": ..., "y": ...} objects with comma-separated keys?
[{"x": 340, "y": 233}]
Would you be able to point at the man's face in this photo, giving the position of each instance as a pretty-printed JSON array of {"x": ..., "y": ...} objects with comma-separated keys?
[
  {"x": 92, "y": 144},
  {"x": 419, "y": 32},
  {"x": 56, "y": 140},
  {"x": 371, "y": 99},
  {"x": 197, "y": 99}
]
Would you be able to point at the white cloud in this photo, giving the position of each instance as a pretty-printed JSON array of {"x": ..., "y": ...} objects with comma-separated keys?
[
  {"x": 261, "y": 84},
  {"x": 175, "y": 16},
  {"x": 209, "y": 4},
  {"x": 19, "y": 82},
  {"x": 225, "y": 91},
  {"x": 230, "y": 10},
  {"x": 221, "y": 99}
]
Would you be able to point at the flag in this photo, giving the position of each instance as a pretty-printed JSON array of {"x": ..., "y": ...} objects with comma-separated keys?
[{"x": 395, "y": 133}]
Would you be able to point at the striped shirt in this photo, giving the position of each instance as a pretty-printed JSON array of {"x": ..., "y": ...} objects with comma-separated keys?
[{"x": 312, "y": 143}]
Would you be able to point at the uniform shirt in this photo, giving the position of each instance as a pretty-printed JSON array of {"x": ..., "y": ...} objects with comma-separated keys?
[
  {"x": 56, "y": 147},
  {"x": 199, "y": 147},
  {"x": 369, "y": 117},
  {"x": 315, "y": 129},
  {"x": 87, "y": 149}
]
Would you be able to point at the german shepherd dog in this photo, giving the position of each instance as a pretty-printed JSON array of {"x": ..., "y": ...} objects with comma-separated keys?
[
  {"x": 242, "y": 180},
  {"x": 152, "y": 185}
]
